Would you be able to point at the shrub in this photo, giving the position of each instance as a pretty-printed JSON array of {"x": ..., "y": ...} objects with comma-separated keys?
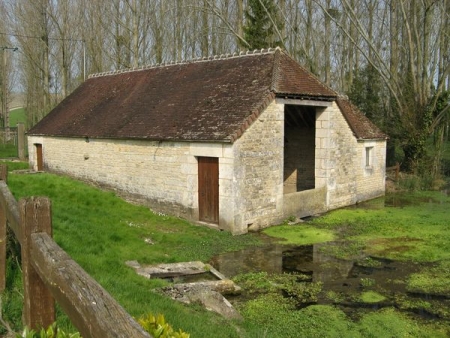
[
  {"x": 159, "y": 328},
  {"x": 51, "y": 332},
  {"x": 155, "y": 325}
]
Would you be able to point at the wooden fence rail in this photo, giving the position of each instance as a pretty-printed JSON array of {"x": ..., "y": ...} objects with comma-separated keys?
[
  {"x": 49, "y": 274},
  {"x": 395, "y": 170}
]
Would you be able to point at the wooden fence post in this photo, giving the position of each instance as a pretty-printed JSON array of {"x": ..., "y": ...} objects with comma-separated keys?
[
  {"x": 39, "y": 305},
  {"x": 3, "y": 232},
  {"x": 21, "y": 141}
]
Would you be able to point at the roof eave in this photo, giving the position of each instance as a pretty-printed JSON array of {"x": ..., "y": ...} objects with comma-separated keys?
[
  {"x": 296, "y": 96},
  {"x": 368, "y": 139},
  {"x": 151, "y": 139}
]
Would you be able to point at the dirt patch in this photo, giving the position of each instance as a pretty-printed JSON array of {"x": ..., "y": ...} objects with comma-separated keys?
[{"x": 385, "y": 246}]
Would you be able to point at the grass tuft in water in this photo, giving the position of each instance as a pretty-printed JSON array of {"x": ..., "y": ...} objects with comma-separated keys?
[
  {"x": 372, "y": 297},
  {"x": 431, "y": 280},
  {"x": 300, "y": 234}
]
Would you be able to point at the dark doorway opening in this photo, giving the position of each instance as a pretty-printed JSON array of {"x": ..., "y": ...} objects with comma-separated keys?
[{"x": 299, "y": 148}]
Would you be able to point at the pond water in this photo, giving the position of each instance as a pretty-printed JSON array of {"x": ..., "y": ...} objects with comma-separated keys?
[
  {"x": 356, "y": 285},
  {"x": 344, "y": 282}
]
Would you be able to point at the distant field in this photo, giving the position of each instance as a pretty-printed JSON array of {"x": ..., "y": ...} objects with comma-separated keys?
[{"x": 17, "y": 115}]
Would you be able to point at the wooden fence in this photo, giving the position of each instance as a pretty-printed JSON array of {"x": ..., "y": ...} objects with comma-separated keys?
[
  {"x": 393, "y": 172},
  {"x": 50, "y": 275}
]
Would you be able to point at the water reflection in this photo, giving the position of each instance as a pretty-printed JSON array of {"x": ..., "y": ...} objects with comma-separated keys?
[
  {"x": 346, "y": 278},
  {"x": 276, "y": 258}
]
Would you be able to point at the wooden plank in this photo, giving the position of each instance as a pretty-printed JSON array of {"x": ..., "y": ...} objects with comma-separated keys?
[
  {"x": 2, "y": 250},
  {"x": 3, "y": 232},
  {"x": 90, "y": 307},
  {"x": 21, "y": 141},
  {"x": 39, "y": 157},
  {"x": 4, "y": 172},
  {"x": 300, "y": 102},
  {"x": 208, "y": 189},
  {"x": 39, "y": 305},
  {"x": 165, "y": 270},
  {"x": 10, "y": 205}
]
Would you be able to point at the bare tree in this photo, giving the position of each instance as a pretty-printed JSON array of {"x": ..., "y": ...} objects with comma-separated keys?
[
  {"x": 403, "y": 44},
  {"x": 6, "y": 73},
  {"x": 29, "y": 21},
  {"x": 411, "y": 91}
]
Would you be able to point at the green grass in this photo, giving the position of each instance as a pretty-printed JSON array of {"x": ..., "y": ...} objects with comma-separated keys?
[
  {"x": 300, "y": 234},
  {"x": 101, "y": 231},
  {"x": 8, "y": 150},
  {"x": 16, "y": 116},
  {"x": 418, "y": 231},
  {"x": 275, "y": 318},
  {"x": 431, "y": 280},
  {"x": 15, "y": 165},
  {"x": 372, "y": 297}
]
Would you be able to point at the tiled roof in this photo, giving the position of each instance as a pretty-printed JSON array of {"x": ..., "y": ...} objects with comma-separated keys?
[
  {"x": 361, "y": 126},
  {"x": 212, "y": 99}
]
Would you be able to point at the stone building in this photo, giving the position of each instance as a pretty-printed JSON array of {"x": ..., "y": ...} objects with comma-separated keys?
[{"x": 238, "y": 141}]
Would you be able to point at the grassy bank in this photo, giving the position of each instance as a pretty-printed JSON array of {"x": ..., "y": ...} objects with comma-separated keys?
[{"x": 101, "y": 232}]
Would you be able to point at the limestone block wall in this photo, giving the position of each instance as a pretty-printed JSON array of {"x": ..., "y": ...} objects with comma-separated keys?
[
  {"x": 371, "y": 178},
  {"x": 348, "y": 179},
  {"x": 325, "y": 145},
  {"x": 342, "y": 182},
  {"x": 163, "y": 175},
  {"x": 258, "y": 171}
]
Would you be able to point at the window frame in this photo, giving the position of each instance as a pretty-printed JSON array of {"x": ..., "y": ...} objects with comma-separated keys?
[{"x": 369, "y": 157}]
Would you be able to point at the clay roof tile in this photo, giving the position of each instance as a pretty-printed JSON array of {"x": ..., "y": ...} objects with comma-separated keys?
[{"x": 208, "y": 99}]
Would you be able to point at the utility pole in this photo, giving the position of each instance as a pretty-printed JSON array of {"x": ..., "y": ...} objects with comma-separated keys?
[{"x": 5, "y": 112}]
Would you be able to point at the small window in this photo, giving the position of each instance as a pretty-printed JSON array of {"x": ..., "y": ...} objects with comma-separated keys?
[{"x": 369, "y": 160}]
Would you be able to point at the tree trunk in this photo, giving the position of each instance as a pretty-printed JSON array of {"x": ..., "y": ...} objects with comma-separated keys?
[
  {"x": 240, "y": 20},
  {"x": 327, "y": 59}
]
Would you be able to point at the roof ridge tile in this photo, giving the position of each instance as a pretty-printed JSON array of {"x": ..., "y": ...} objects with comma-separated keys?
[{"x": 183, "y": 62}]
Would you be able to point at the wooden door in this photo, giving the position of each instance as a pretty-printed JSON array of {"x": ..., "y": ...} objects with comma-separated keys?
[
  {"x": 208, "y": 189},
  {"x": 39, "y": 159}
]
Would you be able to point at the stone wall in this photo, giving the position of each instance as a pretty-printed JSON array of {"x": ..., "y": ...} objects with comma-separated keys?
[
  {"x": 348, "y": 179},
  {"x": 162, "y": 175},
  {"x": 258, "y": 171},
  {"x": 342, "y": 181},
  {"x": 371, "y": 178},
  {"x": 159, "y": 173}
]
